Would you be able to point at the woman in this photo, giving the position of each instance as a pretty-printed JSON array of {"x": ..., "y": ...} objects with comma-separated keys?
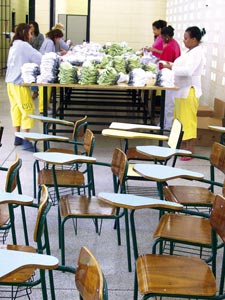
[
  {"x": 187, "y": 74},
  {"x": 21, "y": 102},
  {"x": 37, "y": 38},
  {"x": 156, "y": 49},
  {"x": 36, "y": 42},
  {"x": 62, "y": 47},
  {"x": 171, "y": 49},
  {"x": 157, "y": 46},
  {"x": 170, "y": 52},
  {"x": 51, "y": 39}
]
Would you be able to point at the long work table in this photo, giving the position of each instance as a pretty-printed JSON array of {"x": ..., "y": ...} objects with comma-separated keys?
[{"x": 142, "y": 90}]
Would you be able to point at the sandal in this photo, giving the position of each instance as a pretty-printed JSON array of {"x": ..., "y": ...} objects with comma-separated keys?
[
  {"x": 35, "y": 95},
  {"x": 185, "y": 158}
]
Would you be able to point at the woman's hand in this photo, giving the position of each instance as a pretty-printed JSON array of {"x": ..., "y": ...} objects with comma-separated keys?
[
  {"x": 150, "y": 49},
  {"x": 63, "y": 52},
  {"x": 165, "y": 64}
]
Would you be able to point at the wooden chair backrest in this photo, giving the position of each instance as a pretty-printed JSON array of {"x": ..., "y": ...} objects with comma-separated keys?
[
  {"x": 119, "y": 166},
  {"x": 217, "y": 216},
  {"x": 12, "y": 178},
  {"x": 89, "y": 141},
  {"x": 79, "y": 128},
  {"x": 43, "y": 209},
  {"x": 217, "y": 157},
  {"x": 176, "y": 134},
  {"x": 88, "y": 277}
]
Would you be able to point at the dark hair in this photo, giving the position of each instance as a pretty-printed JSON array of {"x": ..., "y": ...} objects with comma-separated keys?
[
  {"x": 159, "y": 24},
  {"x": 168, "y": 31},
  {"x": 54, "y": 33},
  {"x": 36, "y": 27},
  {"x": 195, "y": 32},
  {"x": 21, "y": 32}
]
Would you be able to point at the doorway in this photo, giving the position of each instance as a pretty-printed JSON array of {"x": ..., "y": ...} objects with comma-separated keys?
[{"x": 76, "y": 28}]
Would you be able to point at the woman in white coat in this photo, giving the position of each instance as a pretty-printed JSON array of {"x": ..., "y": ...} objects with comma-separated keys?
[{"x": 187, "y": 75}]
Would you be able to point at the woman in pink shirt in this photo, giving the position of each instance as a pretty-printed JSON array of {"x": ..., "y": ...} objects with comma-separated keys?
[
  {"x": 171, "y": 49},
  {"x": 157, "y": 46}
]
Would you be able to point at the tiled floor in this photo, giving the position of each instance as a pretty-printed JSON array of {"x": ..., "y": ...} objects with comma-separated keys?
[{"x": 111, "y": 257}]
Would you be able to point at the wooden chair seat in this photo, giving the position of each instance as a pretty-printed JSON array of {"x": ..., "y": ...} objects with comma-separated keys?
[
  {"x": 184, "y": 228},
  {"x": 190, "y": 196},
  {"x": 4, "y": 214},
  {"x": 72, "y": 205},
  {"x": 177, "y": 275},
  {"x": 64, "y": 177}
]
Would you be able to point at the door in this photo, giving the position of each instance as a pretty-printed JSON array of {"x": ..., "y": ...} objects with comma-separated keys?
[{"x": 75, "y": 27}]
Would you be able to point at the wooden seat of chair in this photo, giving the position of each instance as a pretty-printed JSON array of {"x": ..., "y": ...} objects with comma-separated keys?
[
  {"x": 185, "y": 228},
  {"x": 153, "y": 272},
  {"x": 72, "y": 205},
  {"x": 189, "y": 196},
  {"x": 64, "y": 177}
]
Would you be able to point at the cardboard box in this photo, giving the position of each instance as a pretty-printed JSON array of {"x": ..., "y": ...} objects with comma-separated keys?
[
  {"x": 219, "y": 109},
  {"x": 204, "y": 111},
  {"x": 204, "y": 122},
  {"x": 205, "y": 136}
]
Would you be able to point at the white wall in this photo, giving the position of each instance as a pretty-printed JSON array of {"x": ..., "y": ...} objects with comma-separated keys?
[
  {"x": 42, "y": 15},
  {"x": 210, "y": 15},
  {"x": 126, "y": 20}
]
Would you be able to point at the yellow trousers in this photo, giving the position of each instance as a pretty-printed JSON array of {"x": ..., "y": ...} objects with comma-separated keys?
[
  {"x": 185, "y": 111},
  {"x": 41, "y": 97},
  {"x": 21, "y": 105}
]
